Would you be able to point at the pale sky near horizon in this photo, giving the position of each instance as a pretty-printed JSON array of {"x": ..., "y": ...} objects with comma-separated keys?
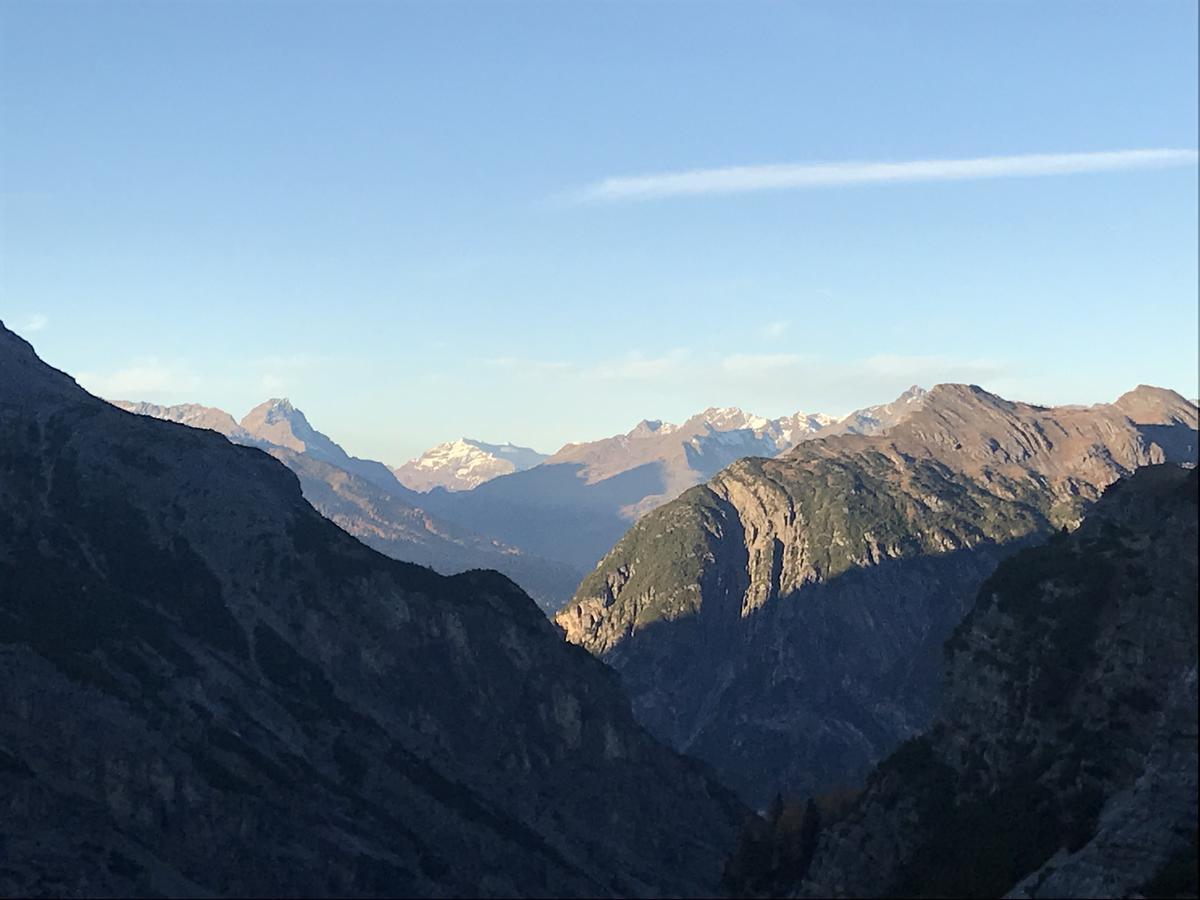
[{"x": 542, "y": 222}]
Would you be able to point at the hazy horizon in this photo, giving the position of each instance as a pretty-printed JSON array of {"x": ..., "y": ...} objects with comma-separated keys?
[{"x": 239, "y": 414}]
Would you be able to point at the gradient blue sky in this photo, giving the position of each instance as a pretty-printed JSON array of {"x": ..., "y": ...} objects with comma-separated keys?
[{"x": 389, "y": 211}]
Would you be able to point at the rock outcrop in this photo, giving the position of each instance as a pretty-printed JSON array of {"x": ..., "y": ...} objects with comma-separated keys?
[
  {"x": 784, "y": 622},
  {"x": 208, "y": 688}
]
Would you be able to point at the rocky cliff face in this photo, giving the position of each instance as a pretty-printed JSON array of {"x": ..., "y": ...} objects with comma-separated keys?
[
  {"x": 206, "y": 687},
  {"x": 784, "y": 622},
  {"x": 1063, "y": 762}
]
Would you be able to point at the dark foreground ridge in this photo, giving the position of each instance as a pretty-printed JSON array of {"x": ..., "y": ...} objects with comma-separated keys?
[{"x": 206, "y": 687}]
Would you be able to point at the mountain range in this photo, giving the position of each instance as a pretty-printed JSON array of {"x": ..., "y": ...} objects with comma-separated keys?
[
  {"x": 208, "y": 688},
  {"x": 576, "y": 504},
  {"x": 963, "y": 627},
  {"x": 367, "y": 500},
  {"x": 784, "y": 621},
  {"x": 542, "y": 520}
]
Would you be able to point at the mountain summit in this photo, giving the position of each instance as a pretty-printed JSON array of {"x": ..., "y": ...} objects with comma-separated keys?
[
  {"x": 279, "y": 423},
  {"x": 464, "y": 464}
]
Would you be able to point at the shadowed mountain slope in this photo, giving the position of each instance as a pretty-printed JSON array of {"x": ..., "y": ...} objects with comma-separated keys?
[
  {"x": 205, "y": 686},
  {"x": 784, "y": 622},
  {"x": 1063, "y": 762}
]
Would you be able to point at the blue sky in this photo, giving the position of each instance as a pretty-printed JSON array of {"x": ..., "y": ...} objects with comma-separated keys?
[{"x": 410, "y": 218}]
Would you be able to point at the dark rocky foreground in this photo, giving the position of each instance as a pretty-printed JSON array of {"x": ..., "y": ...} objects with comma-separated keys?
[{"x": 207, "y": 688}]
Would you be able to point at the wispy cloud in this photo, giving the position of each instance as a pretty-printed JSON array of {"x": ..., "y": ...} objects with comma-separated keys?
[
  {"x": 277, "y": 373},
  {"x": 775, "y": 329},
  {"x": 670, "y": 384},
  {"x": 753, "y": 363},
  {"x": 640, "y": 367},
  {"x": 743, "y": 179},
  {"x": 36, "y": 322},
  {"x": 528, "y": 367},
  {"x": 146, "y": 378},
  {"x": 632, "y": 366},
  {"x": 776, "y": 377},
  {"x": 924, "y": 368}
]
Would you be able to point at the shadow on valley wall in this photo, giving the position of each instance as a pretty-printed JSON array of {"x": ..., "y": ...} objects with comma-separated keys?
[{"x": 809, "y": 691}]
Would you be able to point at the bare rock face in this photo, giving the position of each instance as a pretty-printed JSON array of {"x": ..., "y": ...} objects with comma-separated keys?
[
  {"x": 784, "y": 622},
  {"x": 1063, "y": 761},
  {"x": 208, "y": 688}
]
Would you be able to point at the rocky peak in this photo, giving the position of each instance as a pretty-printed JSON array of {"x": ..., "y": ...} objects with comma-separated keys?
[
  {"x": 650, "y": 428},
  {"x": 963, "y": 398},
  {"x": 1149, "y": 405},
  {"x": 731, "y": 418},
  {"x": 464, "y": 464},
  {"x": 876, "y": 419},
  {"x": 278, "y": 422}
]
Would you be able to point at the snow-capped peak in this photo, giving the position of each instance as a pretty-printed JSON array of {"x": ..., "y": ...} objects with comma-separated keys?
[
  {"x": 730, "y": 418},
  {"x": 462, "y": 464}
]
